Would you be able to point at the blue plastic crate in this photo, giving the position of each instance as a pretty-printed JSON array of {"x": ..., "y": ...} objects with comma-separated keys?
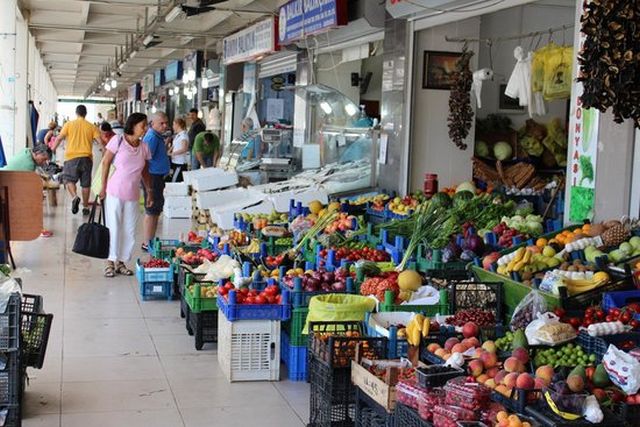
[
  {"x": 156, "y": 290},
  {"x": 398, "y": 347},
  {"x": 154, "y": 274},
  {"x": 234, "y": 311},
  {"x": 620, "y": 299},
  {"x": 294, "y": 358}
]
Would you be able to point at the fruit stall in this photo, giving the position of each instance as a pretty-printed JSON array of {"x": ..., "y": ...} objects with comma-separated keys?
[{"x": 463, "y": 308}]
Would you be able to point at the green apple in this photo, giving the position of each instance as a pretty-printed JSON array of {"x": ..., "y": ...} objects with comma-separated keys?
[{"x": 616, "y": 255}]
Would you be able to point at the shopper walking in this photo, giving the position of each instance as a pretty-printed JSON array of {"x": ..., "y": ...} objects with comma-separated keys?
[
  {"x": 78, "y": 156},
  {"x": 159, "y": 167},
  {"x": 197, "y": 126},
  {"x": 120, "y": 192},
  {"x": 179, "y": 150},
  {"x": 206, "y": 150},
  {"x": 50, "y": 136}
]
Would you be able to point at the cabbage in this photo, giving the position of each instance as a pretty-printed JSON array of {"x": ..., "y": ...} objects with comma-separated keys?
[
  {"x": 466, "y": 186},
  {"x": 534, "y": 228},
  {"x": 482, "y": 149},
  {"x": 502, "y": 151}
]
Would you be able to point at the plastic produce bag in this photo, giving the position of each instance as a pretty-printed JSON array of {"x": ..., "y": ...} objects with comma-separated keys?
[
  {"x": 531, "y": 331},
  {"x": 338, "y": 308},
  {"x": 623, "y": 369},
  {"x": 8, "y": 286},
  {"x": 557, "y": 72},
  {"x": 527, "y": 310}
]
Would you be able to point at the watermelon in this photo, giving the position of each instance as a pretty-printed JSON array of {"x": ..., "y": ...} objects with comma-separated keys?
[{"x": 441, "y": 200}]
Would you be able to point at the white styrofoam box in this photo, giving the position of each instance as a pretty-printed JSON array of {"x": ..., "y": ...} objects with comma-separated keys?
[
  {"x": 178, "y": 202},
  {"x": 281, "y": 200},
  {"x": 249, "y": 350},
  {"x": 223, "y": 198},
  {"x": 177, "y": 212},
  {"x": 223, "y": 216},
  {"x": 176, "y": 189},
  {"x": 381, "y": 322},
  {"x": 220, "y": 179},
  {"x": 189, "y": 176}
]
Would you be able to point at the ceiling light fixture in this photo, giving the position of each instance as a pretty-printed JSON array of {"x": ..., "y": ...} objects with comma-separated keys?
[
  {"x": 173, "y": 14},
  {"x": 107, "y": 87},
  {"x": 324, "y": 105},
  {"x": 147, "y": 39},
  {"x": 114, "y": 83}
]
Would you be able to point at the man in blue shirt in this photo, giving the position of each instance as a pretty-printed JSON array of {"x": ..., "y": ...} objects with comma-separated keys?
[{"x": 159, "y": 167}]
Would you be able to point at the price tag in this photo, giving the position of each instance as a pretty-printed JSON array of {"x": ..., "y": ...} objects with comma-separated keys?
[{"x": 157, "y": 289}]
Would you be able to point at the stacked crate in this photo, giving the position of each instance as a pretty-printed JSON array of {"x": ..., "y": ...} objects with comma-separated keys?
[
  {"x": 177, "y": 200},
  {"x": 11, "y": 375}
]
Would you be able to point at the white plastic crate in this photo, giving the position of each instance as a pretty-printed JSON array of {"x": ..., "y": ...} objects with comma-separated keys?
[
  {"x": 176, "y": 189},
  {"x": 249, "y": 350},
  {"x": 224, "y": 216},
  {"x": 173, "y": 202},
  {"x": 218, "y": 179},
  {"x": 172, "y": 212}
]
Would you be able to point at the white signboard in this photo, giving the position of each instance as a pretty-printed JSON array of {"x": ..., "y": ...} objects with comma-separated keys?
[{"x": 245, "y": 45}]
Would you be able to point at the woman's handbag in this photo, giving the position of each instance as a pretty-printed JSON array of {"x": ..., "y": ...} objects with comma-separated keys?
[{"x": 93, "y": 237}]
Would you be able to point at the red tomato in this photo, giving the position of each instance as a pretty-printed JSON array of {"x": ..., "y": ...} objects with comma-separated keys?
[
  {"x": 223, "y": 291},
  {"x": 600, "y": 314},
  {"x": 244, "y": 291},
  {"x": 228, "y": 285},
  {"x": 271, "y": 290},
  {"x": 250, "y": 300},
  {"x": 625, "y": 317},
  {"x": 278, "y": 299},
  {"x": 635, "y": 324},
  {"x": 575, "y": 322},
  {"x": 559, "y": 312},
  {"x": 635, "y": 306},
  {"x": 609, "y": 318},
  {"x": 260, "y": 300},
  {"x": 271, "y": 299},
  {"x": 240, "y": 299}
]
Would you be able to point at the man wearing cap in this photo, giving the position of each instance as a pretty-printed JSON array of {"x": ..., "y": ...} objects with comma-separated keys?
[{"x": 28, "y": 159}]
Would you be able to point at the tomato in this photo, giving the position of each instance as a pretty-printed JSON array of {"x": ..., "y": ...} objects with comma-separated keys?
[
  {"x": 250, "y": 300},
  {"x": 271, "y": 290},
  {"x": 261, "y": 299},
  {"x": 589, "y": 311},
  {"x": 635, "y": 324},
  {"x": 223, "y": 291},
  {"x": 575, "y": 322},
  {"x": 635, "y": 306},
  {"x": 637, "y": 398},
  {"x": 228, "y": 286},
  {"x": 240, "y": 299},
  {"x": 625, "y": 317},
  {"x": 244, "y": 291},
  {"x": 600, "y": 314},
  {"x": 609, "y": 318},
  {"x": 559, "y": 312},
  {"x": 254, "y": 293},
  {"x": 271, "y": 299},
  {"x": 278, "y": 299},
  {"x": 615, "y": 311}
]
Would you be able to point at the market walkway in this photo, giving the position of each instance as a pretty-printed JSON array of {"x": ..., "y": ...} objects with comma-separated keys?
[{"x": 116, "y": 361}]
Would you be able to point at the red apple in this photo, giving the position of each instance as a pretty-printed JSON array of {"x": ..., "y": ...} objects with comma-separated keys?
[{"x": 470, "y": 329}]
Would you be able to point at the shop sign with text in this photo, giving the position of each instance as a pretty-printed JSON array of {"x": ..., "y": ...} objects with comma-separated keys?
[
  {"x": 259, "y": 39},
  {"x": 300, "y": 18}
]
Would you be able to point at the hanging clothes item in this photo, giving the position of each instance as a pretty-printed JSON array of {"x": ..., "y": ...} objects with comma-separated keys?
[
  {"x": 537, "y": 104},
  {"x": 557, "y": 72},
  {"x": 478, "y": 77},
  {"x": 519, "y": 85}
]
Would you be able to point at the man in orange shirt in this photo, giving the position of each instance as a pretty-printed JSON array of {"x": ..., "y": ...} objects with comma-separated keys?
[{"x": 78, "y": 154}]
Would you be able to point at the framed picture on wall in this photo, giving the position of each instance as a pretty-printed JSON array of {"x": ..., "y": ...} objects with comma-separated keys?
[
  {"x": 438, "y": 68},
  {"x": 506, "y": 104}
]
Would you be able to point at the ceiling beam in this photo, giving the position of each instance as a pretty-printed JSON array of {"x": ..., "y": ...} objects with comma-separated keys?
[{"x": 105, "y": 30}]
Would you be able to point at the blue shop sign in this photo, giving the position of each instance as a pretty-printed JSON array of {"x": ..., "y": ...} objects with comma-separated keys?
[{"x": 300, "y": 18}]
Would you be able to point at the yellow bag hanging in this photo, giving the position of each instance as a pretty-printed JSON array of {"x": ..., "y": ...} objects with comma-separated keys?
[
  {"x": 557, "y": 72},
  {"x": 537, "y": 70},
  {"x": 338, "y": 308}
]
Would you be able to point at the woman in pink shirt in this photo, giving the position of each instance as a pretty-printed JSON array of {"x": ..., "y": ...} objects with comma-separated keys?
[{"x": 121, "y": 192}]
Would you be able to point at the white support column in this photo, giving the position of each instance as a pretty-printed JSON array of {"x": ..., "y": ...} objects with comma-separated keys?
[{"x": 7, "y": 75}]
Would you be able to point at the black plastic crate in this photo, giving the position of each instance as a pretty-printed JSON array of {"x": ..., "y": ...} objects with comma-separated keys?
[
  {"x": 541, "y": 413},
  {"x": 449, "y": 275},
  {"x": 518, "y": 400},
  {"x": 335, "y": 343},
  {"x": 35, "y": 330},
  {"x": 10, "y": 416},
  {"x": 629, "y": 413},
  {"x": 429, "y": 377},
  {"x": 10, "y": 379},
  {"x": 371, "y": 414},
  {"x": 409, "y": 417},
  {"x": 332, "y": 396},
  {"x": 10, "y": 324},
  {"x": 203, "y": 326},
  {"x": 479, "y": 295},
  {"x": 600, "y": 345},
  {"x": 31, "y": 303}
]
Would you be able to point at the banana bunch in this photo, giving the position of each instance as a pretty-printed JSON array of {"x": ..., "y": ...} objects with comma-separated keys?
[
  {"x": 525, "y": 260},
  {"x": 417, "y": 329},
  {"x": 578, "y": 286},
  {"x": 253, "y": 248}
]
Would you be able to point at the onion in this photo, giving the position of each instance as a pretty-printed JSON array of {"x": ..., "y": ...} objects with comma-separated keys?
[
  {"x": 328, "y": 277},
  {"x": 339, "y": 286},
  {"x": 474, "y": 244},
  {"x": 313, "y": 282},
  {"x": 316, "y": 275}
]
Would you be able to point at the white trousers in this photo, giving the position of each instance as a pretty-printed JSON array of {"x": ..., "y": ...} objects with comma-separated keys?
[{"x": 122, "y": 218}]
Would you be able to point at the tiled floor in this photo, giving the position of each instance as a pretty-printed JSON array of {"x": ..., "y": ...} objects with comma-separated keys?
[{"x": 114, "y": 360}]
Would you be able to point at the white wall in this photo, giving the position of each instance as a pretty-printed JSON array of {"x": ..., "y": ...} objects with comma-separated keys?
[
  {"x": 22, "y": 77},
  {"x": 518, "y": 20},
  {"x": 432, "y": 151},
  {"x": 331, "y": 71}
]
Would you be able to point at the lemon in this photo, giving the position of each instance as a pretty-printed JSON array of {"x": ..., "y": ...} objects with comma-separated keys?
[{"x": 315, "y": 207}]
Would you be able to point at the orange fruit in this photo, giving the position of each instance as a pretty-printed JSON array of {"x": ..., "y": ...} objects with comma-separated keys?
[
  {"x": 514, "y": 421},
  {"x": 586, "y": 227},
  {"x": 502, "y": 415},
  {"x": 541, "y": 242}
]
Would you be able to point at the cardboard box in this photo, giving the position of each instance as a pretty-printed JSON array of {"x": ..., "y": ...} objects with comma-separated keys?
[{"x": 381, "y": 390}]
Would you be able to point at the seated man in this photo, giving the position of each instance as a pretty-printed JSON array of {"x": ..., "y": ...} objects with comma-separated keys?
[{"x": 28, "y": 159}]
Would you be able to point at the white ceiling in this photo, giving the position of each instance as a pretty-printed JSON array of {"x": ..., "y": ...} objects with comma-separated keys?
[{"x": 79, "y": 38}]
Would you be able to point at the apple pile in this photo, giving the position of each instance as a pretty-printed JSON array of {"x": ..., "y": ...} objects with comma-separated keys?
[
  {"x": 193, "y": 237},
  {"x": 506, "y": 234},
  {"x": 453, "y": 345},
  {"x": 195, "y": 258}
]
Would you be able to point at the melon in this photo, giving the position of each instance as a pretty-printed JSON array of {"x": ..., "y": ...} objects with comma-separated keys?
[{"x": 409, "y": 280}]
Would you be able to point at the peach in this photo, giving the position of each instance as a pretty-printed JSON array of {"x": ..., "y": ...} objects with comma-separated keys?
[
  {"x": 503, "y": 390},
  {"x": 539, "y": 384},
  {"x": 490, "y": 346},
  {"x": 482, "y": 378},
  {"x": 512, "y": 364},
  {"x": 491, "y": 383},
  {"x": 503, "y": 423},
  {"x": 433, "y": 347},
  {"x": 473, "y": 342},
  {"x": 489, "y": 360},
  {"x": 459, "y": 348},
  {"x": 440, "y": 352},
  {"x": 545, "y": 373},
  {"x": 521, "y": 354},
  {"x": 510, "y": 380},
  {"x": 448, "y": 344},
  {"x": 500, "y": 376},
  {"x": 478, "y": 353},
  {"x": 446, "y": 356},
  {"x": 525, "y": 381},
  {"x": 575, "y": 383},
  {"x": 476, "y": 367},
  {"x": 492, "y": 372}
]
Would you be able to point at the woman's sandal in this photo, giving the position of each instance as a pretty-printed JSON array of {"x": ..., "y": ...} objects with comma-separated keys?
[
  {"x": 109, "y": 270},
  {"x": 122, "y": 269}
]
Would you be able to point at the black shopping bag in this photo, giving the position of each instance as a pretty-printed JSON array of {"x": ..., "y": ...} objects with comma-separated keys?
[{"x": 93, "y": 237}]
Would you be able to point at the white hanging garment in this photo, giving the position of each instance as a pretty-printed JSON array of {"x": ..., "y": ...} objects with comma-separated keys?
[
  {"x": 519, "y": 86},
  {"x": 478, "y": 77}
]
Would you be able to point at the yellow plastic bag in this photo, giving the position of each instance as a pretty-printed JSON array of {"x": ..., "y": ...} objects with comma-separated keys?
[
  {"x": 537, "y": 70},
  {"x": 338, "y": 308},
  {"x": 558, "y": 63}
]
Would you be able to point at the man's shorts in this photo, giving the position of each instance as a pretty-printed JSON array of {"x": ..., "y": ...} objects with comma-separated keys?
[
  {"x": 78, "y": 169},
  {"x": 157, "y": 186}
]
